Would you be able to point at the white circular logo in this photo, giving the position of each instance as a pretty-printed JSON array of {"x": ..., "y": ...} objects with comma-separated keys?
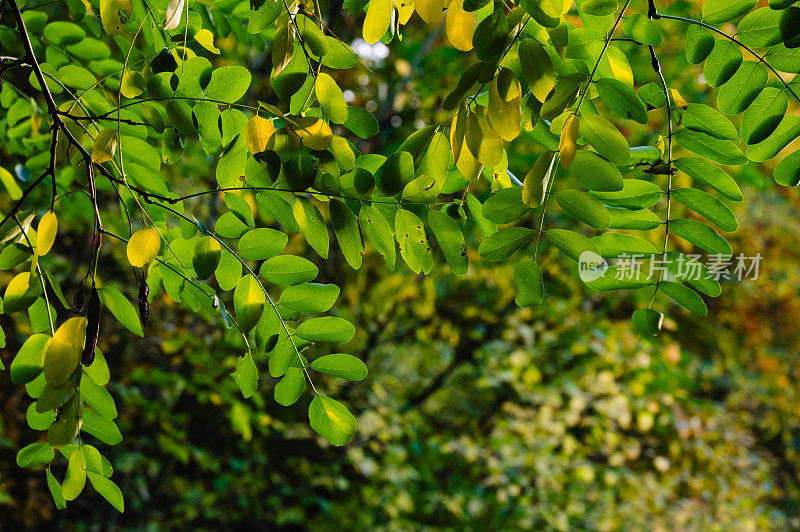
[{"x": 591, "y": 266}]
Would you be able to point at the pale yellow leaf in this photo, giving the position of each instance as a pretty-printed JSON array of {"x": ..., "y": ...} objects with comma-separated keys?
[
  {"x": 379, "y": 15},
  {"x": 173, "y": 16},
  {"x": 567, "y": 145},
  {"x": 46, "y": 233},
  {"x": 257, "y": 133},
  {"x": 105, "y": 145},
  {"x": 205, "y": 39},
  {"x": 143, "y": 247},
  {"x": 460, "y": 26}
]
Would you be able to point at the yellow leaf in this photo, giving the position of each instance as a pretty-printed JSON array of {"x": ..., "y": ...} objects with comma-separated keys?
[
  {"x": 460, "y": 26},
  {"x": 481, "y": 139},
  {"x": 466, "y": 163},
  {"x": 404, "y": 12},
  {"x": 331, "y": 98},
  {"x": 114, "y": 15},
  {"x": 173, "y": 15},
  {"x": 379, "y": 15},
  {"x": 430, "y": 11},
  {"x": 132, "y": 84},
  {"x": 257, "y": 133},
  {"x": 46, "y": 233},
  {"x": 143, "y": 247},
  {"x": 205, "y": 39},
  {"x": 536, "y": 180},
  {"x": 314, "y": 132},
  {"x": 105, "y": 145},
  {"x": 505, "y": 116},
  {"x": 64, "y": 351},
  {"x": 678, "y": 99},
  {"x": 567, "y": 145},
  {"x": 10, "y": 183}
]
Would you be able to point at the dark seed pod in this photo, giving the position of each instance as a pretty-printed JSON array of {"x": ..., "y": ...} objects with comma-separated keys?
[
  {"x": 77, "y": 300},
  {"x": 144, "y": 306},
  {"x": 92, "y": 328}
]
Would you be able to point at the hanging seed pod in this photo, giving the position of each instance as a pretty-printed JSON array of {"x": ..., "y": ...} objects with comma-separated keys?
[
  {"x": 92, "y": 328},
  {"x": 144, "y": 306},
  {"x": 77, "y": 300}
]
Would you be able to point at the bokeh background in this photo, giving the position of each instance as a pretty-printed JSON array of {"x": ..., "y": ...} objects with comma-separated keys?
[{"x": 476, "y": 415}]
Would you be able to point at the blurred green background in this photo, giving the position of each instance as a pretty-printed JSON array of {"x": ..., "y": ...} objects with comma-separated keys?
[{"x": 476, "y": 415}]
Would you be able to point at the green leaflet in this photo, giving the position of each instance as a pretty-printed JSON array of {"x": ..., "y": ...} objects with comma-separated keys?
[
  {"x": 395, "y": 173},
  {"x": 618, "y": 278},
  {"x": 361, "y": 122},
  {"x": 765, "y": 27},
  {"x": 530, "y": 287},
  {"x": 641, "y": 29},
  {"x": 29, "y": 360},
  {"x": 229, "y": 271},
  {"x": 331, "y": 420},
  {"x": 505, "y": 206},
  {"x": 246, "y": 375},
  {"x": 722, "y": 63},
  {"x": 684, "y": 296},
  {"x": 414, "y": 246},
  {"x": 504, "y": 243},
  {"x": 710, "y": 207},
  {"x": 228, "y": 84},
  {"x": 584, "y": 207},
  {"x": 710, "y": 174},
  {"x": 491, "y": 36},
  {"x": 340, "y": 365},
  {"x": 309, "y": 297},
  {"x": 642, "y": 219},
  {"x": 717, "y": 11},
  {"x": 635, "y": 194},
  {"x": 34, "y": 455},
  {"x": 701, "y": 236},
  {"x": 699, "y": 43},
  {"x": 121, "y": 308},
  {"x": 288, "y": 270},
  {"x": 311, "y": 224},
  {"x": 787, "y": 130},
  {"x": 571, "y": 243},
  {"x": 537, "y": 67},
  {"x": 486, "y": 226},
  {"x": 108, "y": 490},
  {"x": 450, "y": 240},
  {"x": 605, "y": 138},
  {"x": 652, "y": 95},
  {"x": 787, "y": 173},
  {"x": 622, "y": 100},
  {"x": 648, "y": 321},
  {"x": 290, "y": 387},
  {"x": 704, "y": 119},
  {"x": 738, "y": 93},
  {"x": 326, "y": 329},
  {"x": 345, "y": 227},
  {"x": 719, "y": 151},
  {"x": 248, "y": 302},
  {"x": 379, "y": 233},
  {"x": 613, "y": 245},
  {"x": 596, "y": 173},
  {"x": 763, "y": 115}
]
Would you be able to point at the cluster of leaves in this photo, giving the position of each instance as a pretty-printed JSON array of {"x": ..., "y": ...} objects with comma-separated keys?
[{"x": 128, "y": 91}]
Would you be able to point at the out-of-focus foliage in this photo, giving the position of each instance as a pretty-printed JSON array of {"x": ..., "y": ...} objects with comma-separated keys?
[{"x": 477, "y": 414}]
